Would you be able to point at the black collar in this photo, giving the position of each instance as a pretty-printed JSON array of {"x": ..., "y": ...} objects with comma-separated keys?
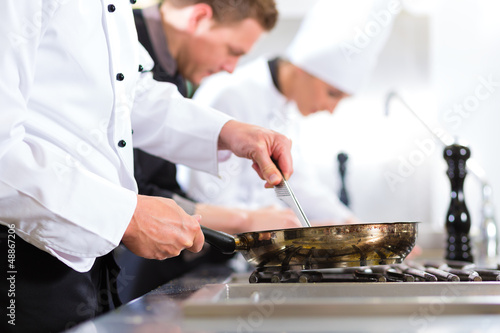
[{"x": 273, "y": 68}]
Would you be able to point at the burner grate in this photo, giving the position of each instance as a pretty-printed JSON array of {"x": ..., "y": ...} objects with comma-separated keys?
[{"x": 449, "y": 271}]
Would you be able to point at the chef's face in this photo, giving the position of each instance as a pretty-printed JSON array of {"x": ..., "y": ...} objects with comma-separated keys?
[
  {"x": 217, "y": 47},
  {"x": 312, "y": 94}
]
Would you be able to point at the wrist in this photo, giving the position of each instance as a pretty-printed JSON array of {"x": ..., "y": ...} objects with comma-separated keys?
[{"x": 225, "y": 135}]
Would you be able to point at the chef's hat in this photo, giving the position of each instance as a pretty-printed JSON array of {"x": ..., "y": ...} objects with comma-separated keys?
[{"x": 339, "y": 41}]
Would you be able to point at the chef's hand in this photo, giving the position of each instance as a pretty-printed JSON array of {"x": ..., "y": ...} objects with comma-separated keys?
[
  {"x": 160, "y": 229},
  {"x": 262, "y": 146}
]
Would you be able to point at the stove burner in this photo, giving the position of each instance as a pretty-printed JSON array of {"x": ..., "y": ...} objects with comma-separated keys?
[{"x": 451, "y": 271}]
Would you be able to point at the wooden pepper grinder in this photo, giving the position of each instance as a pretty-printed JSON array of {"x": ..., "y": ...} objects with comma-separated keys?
[
  {"x": 342, "y": 158},
  {"x": 458, "y": 219}
]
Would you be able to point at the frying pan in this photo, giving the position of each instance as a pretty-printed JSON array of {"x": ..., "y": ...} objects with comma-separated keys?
[{"x": 348, "y": 245}]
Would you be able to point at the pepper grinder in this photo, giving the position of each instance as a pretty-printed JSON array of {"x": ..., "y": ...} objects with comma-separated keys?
[
  {"x": 458, "y": 219},
  {"x": 342, "y": 158}
]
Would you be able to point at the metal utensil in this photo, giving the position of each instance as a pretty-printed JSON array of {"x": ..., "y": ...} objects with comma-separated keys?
[{"x": 284, "y": 193}]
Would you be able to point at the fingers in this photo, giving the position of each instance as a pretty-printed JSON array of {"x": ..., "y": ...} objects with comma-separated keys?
[
  {"x": 186, "y": 235},
  {"x": 274, "y": 165},
  {"x": 198, "y": 242},
  {"x": 282, "y": 157},
  {"x": 256, "y": 167},
  {"x": 265, "y": 167},
  {"x": 160, "y": 229},
  {"x": 272, "y": 170},
  {"x": 199, "y": 238}
]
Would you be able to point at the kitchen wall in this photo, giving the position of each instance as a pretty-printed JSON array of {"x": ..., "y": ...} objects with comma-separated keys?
[
  {"x": 466, "y": 78},
  {"x": 442, "y": 58}
]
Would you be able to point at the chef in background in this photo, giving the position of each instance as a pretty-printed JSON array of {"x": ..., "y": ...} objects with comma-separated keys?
[
  {"x": 188, "y": 40},
  {"x": 330, "y": 59},
  {"x": 77, "y": 96}
]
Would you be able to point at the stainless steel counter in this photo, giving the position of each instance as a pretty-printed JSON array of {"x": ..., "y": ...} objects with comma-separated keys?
[{"x": 180, "y": 306}]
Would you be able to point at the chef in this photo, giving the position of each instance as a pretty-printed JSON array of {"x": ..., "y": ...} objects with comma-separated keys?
[
  {"x": 329, "y": 59},
  {"x": 188, "y": 40},
  {"x": 76, "y": 96}
]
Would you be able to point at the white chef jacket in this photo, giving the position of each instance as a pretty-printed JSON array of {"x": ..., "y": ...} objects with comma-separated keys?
[
  {"x": 249, "y": 95},
  {"x": 71, "y": 93}
]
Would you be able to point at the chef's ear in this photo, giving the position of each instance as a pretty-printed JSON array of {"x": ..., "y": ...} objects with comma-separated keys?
[{"x": 201, "y": 13}]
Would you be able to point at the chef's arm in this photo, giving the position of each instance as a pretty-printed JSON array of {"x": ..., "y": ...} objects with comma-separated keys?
[
  {"x": 269, "y": 145},
  {"x": 44, "y": 190},
  {"x": 237, "y": 220},
  {"x": 182, "y": 131}
]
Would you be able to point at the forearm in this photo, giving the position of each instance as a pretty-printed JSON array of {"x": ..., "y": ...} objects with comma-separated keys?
[
  {"x": 235, "y": 220},
  {"x": 229, "y": 220},
  {"x": 49, "y": 187}
]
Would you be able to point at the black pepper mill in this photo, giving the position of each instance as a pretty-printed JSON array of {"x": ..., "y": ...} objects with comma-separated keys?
[
  {"x": 458, "y": 219},
  {"x": 342, "y": 158}
]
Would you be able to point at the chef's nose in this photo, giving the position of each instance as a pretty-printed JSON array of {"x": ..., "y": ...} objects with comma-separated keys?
[
  {"x": 230, "y": 64},
  {"x": 333, "y": 105}
]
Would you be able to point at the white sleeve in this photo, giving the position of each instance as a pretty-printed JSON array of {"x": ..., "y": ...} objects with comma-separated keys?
[
  {"x": 43, "y": 190},
  {"x": 175, "y": 128},
  {"x": 228, "y": 189}
]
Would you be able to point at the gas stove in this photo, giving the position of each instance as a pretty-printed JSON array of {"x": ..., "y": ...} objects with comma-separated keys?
[
  {"x": 409, "y": 289},
  {"x": 214, "y": 299}
]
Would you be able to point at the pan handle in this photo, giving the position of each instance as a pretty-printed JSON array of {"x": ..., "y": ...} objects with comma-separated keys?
[{"x": 220, "y": 240}]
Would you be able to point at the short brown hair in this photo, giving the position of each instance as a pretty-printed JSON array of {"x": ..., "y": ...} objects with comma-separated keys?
[{"x": 230, "y": 11}]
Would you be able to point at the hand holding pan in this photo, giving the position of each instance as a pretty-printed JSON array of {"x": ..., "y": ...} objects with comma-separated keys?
[{"x": 323, "y": 246}]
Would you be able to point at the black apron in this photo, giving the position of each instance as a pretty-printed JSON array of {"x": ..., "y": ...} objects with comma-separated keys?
[{"x": 45, "y": 295}]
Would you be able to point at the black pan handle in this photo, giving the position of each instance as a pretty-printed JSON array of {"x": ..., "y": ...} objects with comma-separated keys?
[{"x": 220, "y": 240}]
